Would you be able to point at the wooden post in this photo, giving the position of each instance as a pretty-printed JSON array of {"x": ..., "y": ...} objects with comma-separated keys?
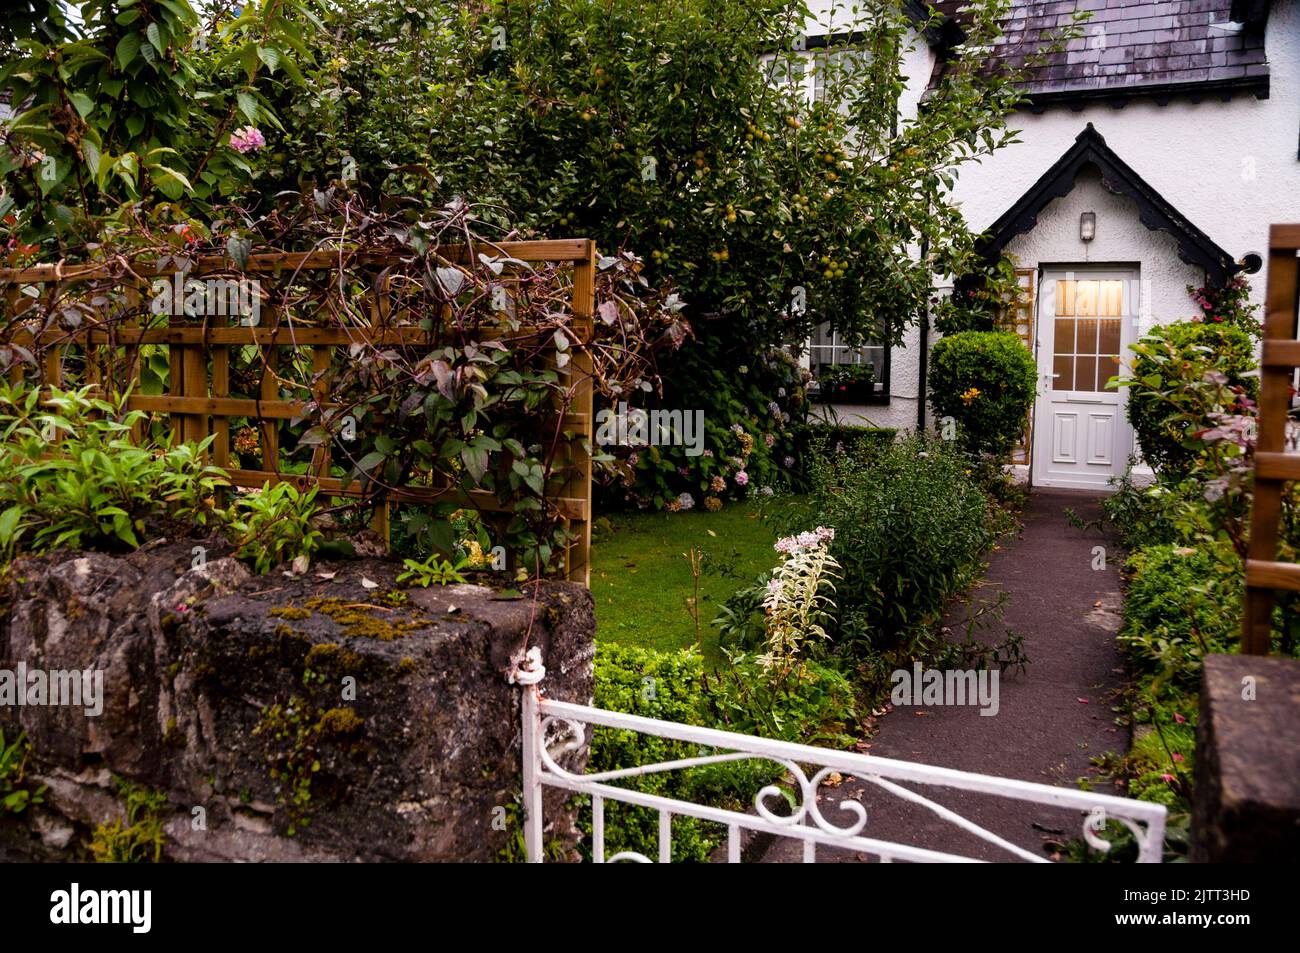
[
  {"x": 578, "y": 552},
  {"x": 1273, "y": 467},
  {"x": 269, "y": 390},
  {"x": 220, "y": 390}
]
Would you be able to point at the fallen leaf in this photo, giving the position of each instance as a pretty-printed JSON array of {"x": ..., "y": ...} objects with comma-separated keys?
[
  {"x": 368, "y": 583},
  {"x": 326, "y": 575},
  {"x": 1083, "y": 701}
]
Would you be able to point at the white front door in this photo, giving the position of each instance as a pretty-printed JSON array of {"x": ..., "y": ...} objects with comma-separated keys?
[{"x": 1086, "y": 320}]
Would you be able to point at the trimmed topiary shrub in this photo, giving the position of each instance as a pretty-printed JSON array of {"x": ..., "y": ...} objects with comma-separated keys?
[
  {"x": 985, "y": 381},
  {"x": 1169, "y": 358}
]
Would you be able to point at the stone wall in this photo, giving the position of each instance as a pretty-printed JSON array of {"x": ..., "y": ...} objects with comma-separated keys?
[
  {"x": 1246, "y": 807},
  {"x": 334, "y": 716}
]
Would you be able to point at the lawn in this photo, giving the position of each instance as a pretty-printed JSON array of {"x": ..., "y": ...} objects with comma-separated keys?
[{"x": 641, "y": 576}]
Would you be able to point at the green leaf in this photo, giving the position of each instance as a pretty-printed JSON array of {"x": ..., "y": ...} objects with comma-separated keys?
[
  {"x": 247, "y": 105},
  {"x": 83, "y": 103},
  {"x": 370, "y": 461},
  {"x": 127, "y": 49},
  {"x": 476, "y": 462},
  {"x": 155, "y": 37},
  {"x": 9, "y": 524}
]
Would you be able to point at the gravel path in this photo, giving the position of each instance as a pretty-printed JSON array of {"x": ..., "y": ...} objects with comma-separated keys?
[{"x": 1053, "y": 717}]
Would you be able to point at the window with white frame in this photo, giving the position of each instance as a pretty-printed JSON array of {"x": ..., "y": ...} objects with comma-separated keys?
[
  {"x": 828, "y": 355},
  {"x": 838, "y": 67}
]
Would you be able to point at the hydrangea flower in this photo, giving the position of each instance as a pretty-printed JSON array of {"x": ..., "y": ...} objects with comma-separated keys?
[
  {"x": 741, "y": 478},
  {"x": 686, "y": 501},
  {"x": 766, "y": 491},
  {"x": 769, "y": 439},
  {"x": 248, "y": 139},
  {"x": 787, "y": 461}
]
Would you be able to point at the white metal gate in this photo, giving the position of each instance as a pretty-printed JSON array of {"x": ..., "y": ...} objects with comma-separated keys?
[{"x": 551, "y": 727}]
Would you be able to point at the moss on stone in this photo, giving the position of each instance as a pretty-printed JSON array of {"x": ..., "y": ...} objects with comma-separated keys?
[
  {"x": 290, "y": 612},
  {"x": 360, "y": 620},
  {"x": 329, "y": 655}
]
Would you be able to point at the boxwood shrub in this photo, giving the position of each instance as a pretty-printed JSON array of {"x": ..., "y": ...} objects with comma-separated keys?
[{"x": 985, "y": 381}]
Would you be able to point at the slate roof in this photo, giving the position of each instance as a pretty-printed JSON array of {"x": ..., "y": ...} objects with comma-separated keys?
[{"x": 1131, "y": 47}]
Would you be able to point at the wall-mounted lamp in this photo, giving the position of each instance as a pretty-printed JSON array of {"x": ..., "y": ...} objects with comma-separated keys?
[{"x": 1087, "y": 226}]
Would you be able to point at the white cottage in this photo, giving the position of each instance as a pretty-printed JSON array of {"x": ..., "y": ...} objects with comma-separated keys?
[{"x": 1156, "y": 151}]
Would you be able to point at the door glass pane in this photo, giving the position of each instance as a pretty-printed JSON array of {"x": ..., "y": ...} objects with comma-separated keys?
[
  {"x": 1085, "y": 372},
  {"x": 1109, "y": 341},
  {"x": 1107, "y": 367},
  {"x": 1063, "y": 343},
  {"x": 1063, "y": 368},
  {"x": 1085, "y": 298},
  {"x": 1065, "y": 298},
  {"x": 1087, "y": 343},
  {"x": 1111, "y": 299}
]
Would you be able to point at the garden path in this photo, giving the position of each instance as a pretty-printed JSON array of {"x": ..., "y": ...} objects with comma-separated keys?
[{"x": 1052, "y": 718}]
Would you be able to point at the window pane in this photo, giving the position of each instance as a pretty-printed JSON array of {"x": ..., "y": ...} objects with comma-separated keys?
[
  {"x": 1085, "y": 373},
  {"x": 1064, "y": 342},
  {"x": 1063, "y": 367},
  {"x": 1087, "y": 342},
  {"x": 1111, "y": 302},
  {"x": 1085, "y": 298},
  {"x": 1109, "y": 342},
  {"x": 1107, "y": 367},
  {"x": 1065, "y": 298}
]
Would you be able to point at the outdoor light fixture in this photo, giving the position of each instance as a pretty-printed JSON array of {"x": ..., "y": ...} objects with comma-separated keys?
[{"x": 1087, "y": 226}]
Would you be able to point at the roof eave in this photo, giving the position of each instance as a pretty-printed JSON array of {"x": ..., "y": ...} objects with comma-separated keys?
[{"x": 1155, "y": 212}]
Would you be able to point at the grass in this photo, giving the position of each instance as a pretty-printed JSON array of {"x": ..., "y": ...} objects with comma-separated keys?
[{"x": 641, "y": 576}]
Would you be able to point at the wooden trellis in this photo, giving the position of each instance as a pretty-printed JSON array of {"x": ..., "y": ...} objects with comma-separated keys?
[
  {"x": 1274, "y": 467},
  {"x": 199, "y": 402}
]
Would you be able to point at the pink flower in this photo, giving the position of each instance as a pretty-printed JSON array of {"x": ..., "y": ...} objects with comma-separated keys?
[
  {"x": 1177, "y": 756},
  {"x": 1179, "y": 718},
  {"x": 741, "y": 478},
  {"x": 1167, "y": 778},
  {"x": 248, "y": 139}
]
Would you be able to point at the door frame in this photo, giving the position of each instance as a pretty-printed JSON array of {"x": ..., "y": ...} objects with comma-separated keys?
[{"x": 1040, "y": 448}]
